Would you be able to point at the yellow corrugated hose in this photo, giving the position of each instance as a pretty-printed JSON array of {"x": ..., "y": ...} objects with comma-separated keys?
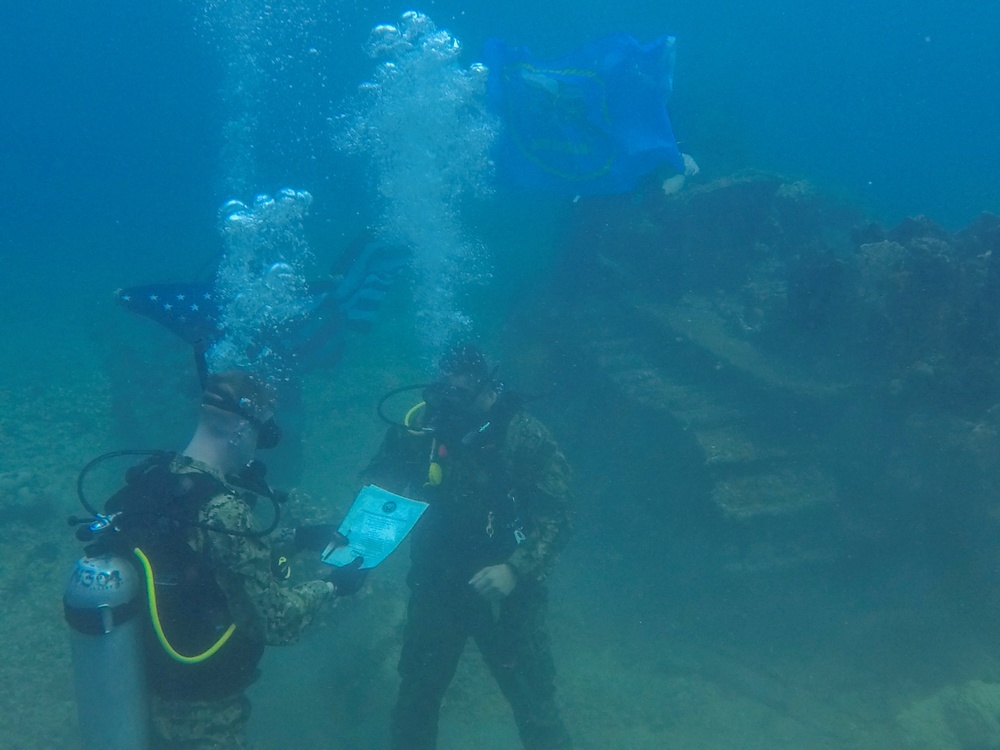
[
  {"x": 434, "y": 472},
  {"x": 411, "y": 414},
  {"x": 154, "y": 616}
]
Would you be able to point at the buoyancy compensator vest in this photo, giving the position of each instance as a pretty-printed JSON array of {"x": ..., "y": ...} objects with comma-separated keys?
[{"x": 157, "y": 511}]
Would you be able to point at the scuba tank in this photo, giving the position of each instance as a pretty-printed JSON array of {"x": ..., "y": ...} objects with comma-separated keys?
[{"x": 104, "y": 607}]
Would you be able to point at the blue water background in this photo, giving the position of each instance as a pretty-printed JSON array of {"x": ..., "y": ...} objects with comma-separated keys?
[{"x": 112, "y": 115}]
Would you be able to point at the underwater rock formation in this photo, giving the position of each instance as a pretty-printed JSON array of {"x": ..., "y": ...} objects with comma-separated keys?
[
  {"x": 822, "y": 367},
  {"x": 912, "y": 308}
]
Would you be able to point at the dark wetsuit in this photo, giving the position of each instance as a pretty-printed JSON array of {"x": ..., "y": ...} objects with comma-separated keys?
[{"x": 503, "y": 499}]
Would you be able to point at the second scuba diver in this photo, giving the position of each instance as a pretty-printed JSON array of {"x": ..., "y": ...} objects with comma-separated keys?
[{"x": 499, "y": 510}]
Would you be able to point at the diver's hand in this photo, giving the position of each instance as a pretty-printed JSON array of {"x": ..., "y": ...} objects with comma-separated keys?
[
  {"x": 691, "y": 167},
  {"x": 495, "y": 582},
  {"x": 348, "y": 579},
  {"x": 318, "y": 537}
]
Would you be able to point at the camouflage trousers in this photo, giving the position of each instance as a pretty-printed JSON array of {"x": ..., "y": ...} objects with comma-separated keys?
[
  {"x": 200, "y": 725},
  {"x": 513, "y": 643}
]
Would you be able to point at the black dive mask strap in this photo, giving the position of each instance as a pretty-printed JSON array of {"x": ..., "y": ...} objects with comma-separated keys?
[{"x": 268, "y": 432}]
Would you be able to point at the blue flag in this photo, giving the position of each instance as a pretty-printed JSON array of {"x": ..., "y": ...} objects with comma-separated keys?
[{"x": 590, "y": 123}]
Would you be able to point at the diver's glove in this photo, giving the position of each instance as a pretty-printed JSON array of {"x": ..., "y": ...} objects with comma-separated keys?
[
  {"x": 348, "y": 579},
  {"x": 318, "y": 537}
]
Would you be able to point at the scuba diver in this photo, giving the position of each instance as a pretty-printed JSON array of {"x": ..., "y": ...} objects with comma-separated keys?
[
  {"x": 499, "y": 509},
  {"x": 212, "y": 584}
]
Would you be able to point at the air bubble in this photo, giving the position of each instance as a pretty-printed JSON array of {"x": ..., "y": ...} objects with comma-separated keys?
[
  {"x": 260, "y": 282},
  {"x": 423, "y": 124}
]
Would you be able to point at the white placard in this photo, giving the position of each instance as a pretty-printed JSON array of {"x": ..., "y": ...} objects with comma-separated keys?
[{"x": 374, "y": 526}]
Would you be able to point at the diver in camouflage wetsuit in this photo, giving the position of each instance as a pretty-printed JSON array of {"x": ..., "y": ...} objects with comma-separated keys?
[
  {"x": 498, "y": 494},
  {"x": 192, "y": 516}
]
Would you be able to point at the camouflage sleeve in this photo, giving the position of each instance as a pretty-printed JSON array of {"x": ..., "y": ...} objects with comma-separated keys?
[
  {"x": 543, "y": 495},
  {"x": 273, "y": 613}
]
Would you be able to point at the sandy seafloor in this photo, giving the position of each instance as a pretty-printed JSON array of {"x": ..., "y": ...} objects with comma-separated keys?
[{"x": 659, "y": 641}]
